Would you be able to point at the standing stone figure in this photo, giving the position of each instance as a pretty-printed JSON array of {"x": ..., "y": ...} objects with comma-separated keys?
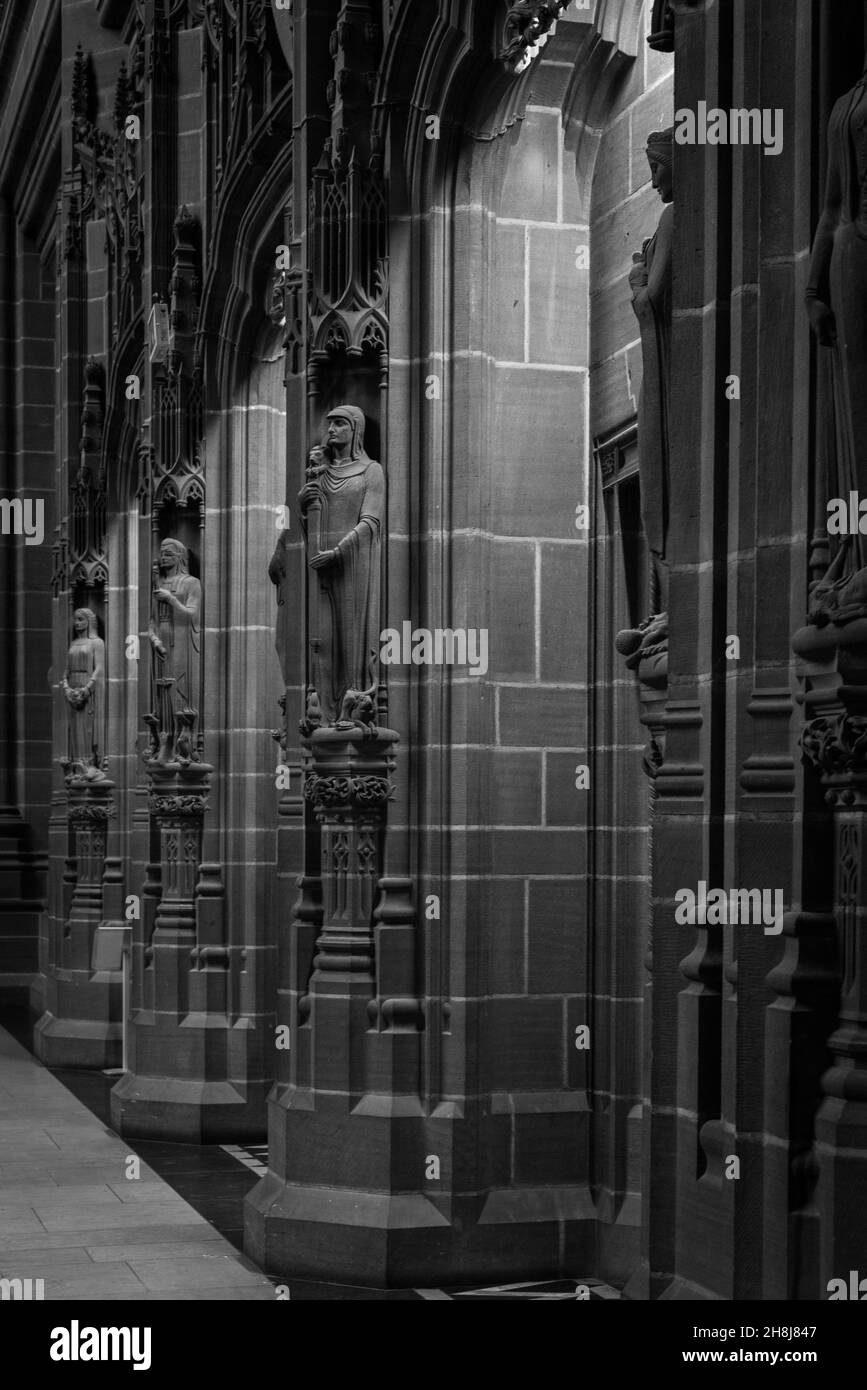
[
  {"x": 175, "y": 636},
  {"x": 646, "y": 648},
  {"x": 342, "y": 510},
  {"x": 278, "y": 573},
  {"x": 83, "y": 685},
  {"x": 650, "y": 279},
  {"x": 837, "y": 305}
]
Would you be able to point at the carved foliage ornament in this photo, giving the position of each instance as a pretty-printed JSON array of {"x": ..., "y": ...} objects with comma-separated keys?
[
  {"x": 837, "y": 744},
  {"x": 188, "y": 805},
  {"x": 367, "y": 792},
  {"x": 528, "y": 27},
  {"x": 91, "y": 812}
]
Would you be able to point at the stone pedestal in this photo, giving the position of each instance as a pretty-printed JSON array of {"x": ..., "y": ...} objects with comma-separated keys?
[
  {"x": 82, "y": 1025},
  {"x": 22, "y": 889},
  {"x": 835, "y": 740},
  {"x": 187, "y": 1059},
  {"x": 345, "y": 1195}
]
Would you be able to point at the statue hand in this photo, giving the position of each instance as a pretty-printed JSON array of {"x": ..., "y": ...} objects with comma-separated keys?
[
  {"x": 307, "y": 496},
  {"x": 823, "y": 321},
  {"x": 324, "y": 559},
  {"x": 165, "y": 594},
  {"x": 638, "y": 275}
]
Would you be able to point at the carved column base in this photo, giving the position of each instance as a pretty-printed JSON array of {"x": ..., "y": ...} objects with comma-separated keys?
[
  {"x": 345, "y": 1195},
  {"x": 81, "y": 1025},
  {"x": 835, "y": 740},
  {"x": 365, "y": 1186},
  {"x": 188, "y": 1061},
  {"x": 22, "y": 890}
]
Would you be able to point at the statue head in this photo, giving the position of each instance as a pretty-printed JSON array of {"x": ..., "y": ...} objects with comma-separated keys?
[
  {"x": 346, "y": 426},
  {"x": 660, "y": 155},
  {"x": 174, "y": 557},
  {"x": 84, "y": 621}
]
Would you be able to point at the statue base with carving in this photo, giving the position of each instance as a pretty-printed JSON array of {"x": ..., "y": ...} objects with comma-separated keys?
[
  {"x": 82, "y": 1024},
  {"x": 187, "y": 987},
  {"x": 833, "y": 651},
  {"x": 346, "y": 1195}
]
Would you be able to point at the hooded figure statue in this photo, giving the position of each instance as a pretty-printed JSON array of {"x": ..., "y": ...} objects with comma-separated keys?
[{"x": 342, "y": 512}]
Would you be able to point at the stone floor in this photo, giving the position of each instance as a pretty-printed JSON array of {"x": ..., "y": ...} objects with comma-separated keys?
[{"x": 70, "y": 1216}]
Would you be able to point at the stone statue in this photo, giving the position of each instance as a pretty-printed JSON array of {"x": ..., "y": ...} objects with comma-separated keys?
[
  {"x": 836, "y": 297},
  {"x": 83, "y": 685},
  {"x": 646, "y": 647},
  {"x": 650, "y": 279},
  {"x": 278, "y": 574},
  {"x": 175, "y": 636},
  {"x": 342, "y": 512}
]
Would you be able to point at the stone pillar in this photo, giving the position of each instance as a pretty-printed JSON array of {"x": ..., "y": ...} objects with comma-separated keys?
[
  {"x": 82, "y": 1024},
  {"x": 22, "y": 870},
  {"x": 343, "y": 1198},
  {"x": 180, "y": 1034}
]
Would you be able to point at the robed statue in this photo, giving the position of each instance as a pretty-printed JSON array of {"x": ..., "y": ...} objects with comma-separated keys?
[
  {"x": 651, "y": 281},
  {"x": 83, "y": 685},
  {"x": 342, "y": 511},
  {"x": 837, "y": 305},
  {"x": 175, "y": 637}
]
